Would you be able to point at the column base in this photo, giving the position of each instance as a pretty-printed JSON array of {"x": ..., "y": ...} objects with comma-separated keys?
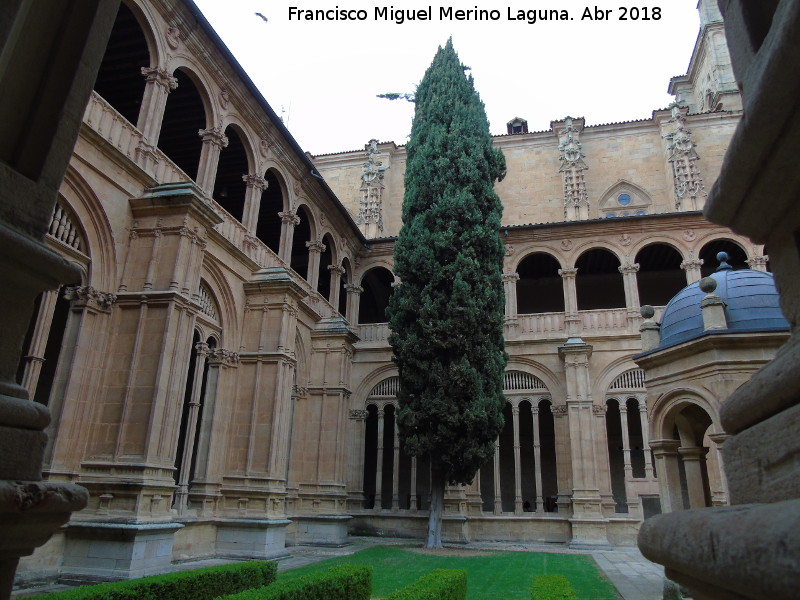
[
  {"x": 261, "y": 539},
  {"x": 321, "y": 530},
  {"x": 97, "y": 551}
]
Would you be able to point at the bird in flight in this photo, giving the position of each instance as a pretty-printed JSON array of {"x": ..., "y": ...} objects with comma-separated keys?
[{"x": 262, "y": 16}]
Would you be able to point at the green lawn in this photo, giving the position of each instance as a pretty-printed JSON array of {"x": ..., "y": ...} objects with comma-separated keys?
[{"x": 496, "y": 576}]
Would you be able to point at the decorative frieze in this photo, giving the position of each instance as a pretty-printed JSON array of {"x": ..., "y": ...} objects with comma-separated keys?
[
  {"x": 683, "y": 157},
  {"x": 358, "y": 414},
  {"x": 221, "y": 356},
  {"x": 370, "y": 209},
  {"x": 576, "y": 198}
]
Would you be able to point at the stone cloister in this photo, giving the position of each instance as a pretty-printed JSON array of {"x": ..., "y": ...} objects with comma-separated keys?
[{"x": 213, "y": 359}]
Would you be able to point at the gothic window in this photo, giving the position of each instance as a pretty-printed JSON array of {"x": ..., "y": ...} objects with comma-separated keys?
[{"x": 624, "y": 199}]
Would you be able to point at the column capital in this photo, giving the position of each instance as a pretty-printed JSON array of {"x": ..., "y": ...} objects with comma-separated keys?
[
  {"x": 629, "y": 268},
  {"x": 160, "y": 77},
  {"x": 337, "y": 269},
  {"x": 254, "y": 180},
  {"x": 352, "y": 288},
  {"x": 692, "y": 263},
  {"x": 316, "y": 246},
  {"x": 214, "y": 135},
  {"x": 509, "y": 277},
  {"x": 693, "y": 452},
  {"x": 758, "y": 263},
  {"x": 568, "y": 273},
  {"x": 665, "y": 447},
  {"x": 85, "y": 296},
  {"x": 289, "y": 218}
]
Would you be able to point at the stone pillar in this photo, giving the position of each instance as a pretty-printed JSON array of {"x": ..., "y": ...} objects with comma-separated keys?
[
  {"x": 158, "y": 84},
  {"x": 692, "y": 267},
  {"x": 315, "y": 249},
  {"x": 57, "y": 47},
  {"x": 336, "y": 278},
  {"x": 289, "y": 220},
  {"x": 498, "y": 499},
  {"x": 669, "y": 479},
  {"x": 396, "y": 468},
  {"x": 182, "y": 493},
  {"x": 517, "y": 462},
  {"x": 252, "y": 200},
  {"x": 720, "y": 499},
  {"x": 353, "y": 298},
  {"x": 649, "y": 329},
  {"x": 693, "y": 462},
  {"x": 537, "y": 457},
  {"x": 510, "y": 289},
  {"x": 626, "y": 442},
  {"x": 631, "y": 286},
  {"x": 413, "y": 504},
  {"x": 648, "y": 459},
  {"x": 34, "y": 359},
  {"x": 712, "y": 307},
  {"x": 379, "y": 465},
  {"x": 588, "y": 523},
  {"x": 214, "y": 140},
  {"x": 573, "y": 320}
]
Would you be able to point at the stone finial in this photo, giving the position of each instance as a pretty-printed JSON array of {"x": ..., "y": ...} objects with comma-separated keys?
[
  {"x": 650, "y": 330},
  {"x": 722, "y": 259},
  {"x": 712, "y": 306}
]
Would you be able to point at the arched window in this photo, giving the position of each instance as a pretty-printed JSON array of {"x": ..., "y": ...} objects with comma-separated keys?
[
  {"x": 119, "y": 80},
  {"x": 268, "y": 227},
  {"x": 708, "y": 254},
  {"x": 229, "y": 187},
  {"x": 540, "y": 288},
  {"x": 302, "y": 234},
  {"x": 184, "y": 116},
  {"x": 599, "y": 283},
  {"x": 325, "y": 261},
  {"x": 660, "y": 276},
  {"x": 377, "y": 285}
]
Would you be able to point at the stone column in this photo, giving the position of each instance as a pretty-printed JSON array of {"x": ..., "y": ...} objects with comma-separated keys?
[
  {"x": 669, "y": 480},
  {"x": 693, "y": 459},
  {"x": 537, "y": 457},
  {"x": 510, "y": 289},
  {"x": 34, "y": 359},
  {"x": 626, "y": 442},
  {"x": 692, "y": 267},
  {"x": 498, "y": 499},
  {"x": 722, "y": 498},
  {"x": 413, "y": 504},
  {"x": 379, "y": 465},
  {"x": 517, "y": 462},
  {"x": 214, "y": 141},
  {"x": 396, "y": 469},
  {"x": 158, "y": 84},
  {"x": 573, "y": 320},
  {"x": 648, "y": 459},
  {"x": 588, "y": 524},
  {"x": 252, "y": 200},
  {"x": 336, "y": 277},
  {"x": 632, "y": 301},
  {"x": 182, "y": 494},
  {"x": 353, "y": 298},
  {"x": 315, "y": 249},
  {"x": 289, "y": 220}
]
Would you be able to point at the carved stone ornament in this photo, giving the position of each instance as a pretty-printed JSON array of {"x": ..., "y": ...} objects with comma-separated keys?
[
  {"x": 509, "y": 249},
  {"x": 566, "y": 244},
  {"x": 221, "y": 356},
  {"x": 370, "y": 210},
  {"x": 683, "y": 157},
  {"x": 298, "y": 187},
  {"x": 559, "y": 411},
  {"x": 510, "y": 276},
  {"x": 214, "y": 135},
  {"x": 289, "y": 217},
  {"x": 255, "y": 181},
  {"x": 689, "y": 235},
  {"x": 625, "y": 239},
  {"x": 224, "y": 98},
  {"x": 576, "y": 197},
  {"x": 568, "y": 272},
  {"x": 629, "y": 268},
  {"x": 85, "y": 295},
  {"x": 263, "y": 147},
  {"x": 173, "y": 37},
  {"x": 598, "y": 410},
  {"x": 316, "y": 246},
  {"x": 358, "y": 414},
  {"x": 161, "y": 77}
]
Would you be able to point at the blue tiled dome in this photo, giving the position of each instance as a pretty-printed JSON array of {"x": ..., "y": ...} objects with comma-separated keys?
[{"x": 751, "y": 305}]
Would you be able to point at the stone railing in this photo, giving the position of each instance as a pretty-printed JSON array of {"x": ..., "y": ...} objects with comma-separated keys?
[
  {"x": 542, "y": 324},
  {"x": 608, "y": 320},
  {"x": 373, "y": 332},
  {"x": 104, "y": 120}
]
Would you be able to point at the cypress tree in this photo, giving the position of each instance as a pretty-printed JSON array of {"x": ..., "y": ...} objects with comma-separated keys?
[{"x": 446, "y": 316}]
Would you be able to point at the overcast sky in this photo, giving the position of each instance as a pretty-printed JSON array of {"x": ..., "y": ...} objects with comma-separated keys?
[{"x": 323, "y": 76}]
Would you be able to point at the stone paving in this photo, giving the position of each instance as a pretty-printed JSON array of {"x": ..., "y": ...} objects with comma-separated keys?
[{"x": 635, "y": 577}]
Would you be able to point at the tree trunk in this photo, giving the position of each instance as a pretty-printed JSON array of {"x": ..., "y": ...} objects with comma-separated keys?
[{"x": 437, "y": 507}]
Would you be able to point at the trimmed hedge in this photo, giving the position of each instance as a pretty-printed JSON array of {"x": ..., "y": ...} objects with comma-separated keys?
[
  {"x": 439, "y": 584},
  {"x": 343, "y": 582},
  {"x": 552, "y": 587},
  {"x": 198, "y": 584}
]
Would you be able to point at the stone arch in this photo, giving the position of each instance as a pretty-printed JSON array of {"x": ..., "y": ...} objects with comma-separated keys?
[
  {"x": 235, "y": 161},
  {"x": 737, "y": 254},
  {"x": 223, "y": 296},
  {"x": 377, "y": 285},
  {"x": 599, "y": 284},
  {"x": 611, "y": 203},
  {"x": 304, "y": 233},
  {"x": 327, "y": 258},
  {"x": 540, "y": 288},
  {"x": 660, "y": 275}
]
